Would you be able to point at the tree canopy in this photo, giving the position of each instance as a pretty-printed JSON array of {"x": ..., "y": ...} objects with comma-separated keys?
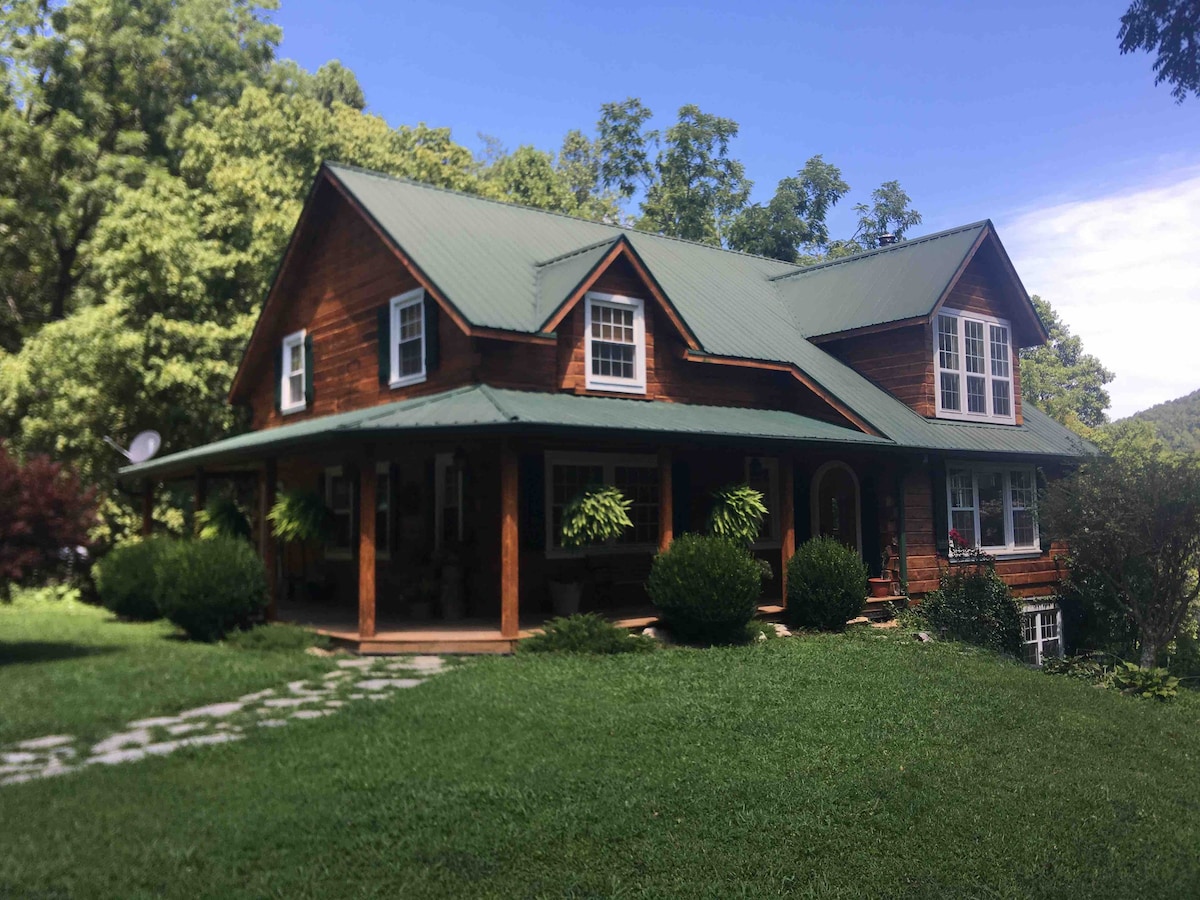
[
  {"x": 1170, "y": 29},
  {"x": 1060, "y": 379},
  {"x": 1176, "y": 422}
]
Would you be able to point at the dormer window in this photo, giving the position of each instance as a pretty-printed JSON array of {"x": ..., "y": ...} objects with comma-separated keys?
[
  {"x": 973, "y": 356},
  {"x": 615, "y": 343},
  {"x": 292, "y": 393},
  {"x": 408, "y": 339}
]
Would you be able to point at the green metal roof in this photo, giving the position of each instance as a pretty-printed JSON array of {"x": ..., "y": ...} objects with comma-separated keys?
[{"x": 480, "y": 408}]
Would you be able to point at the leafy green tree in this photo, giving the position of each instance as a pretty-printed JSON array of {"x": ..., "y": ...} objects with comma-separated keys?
[
  {"x": 1176, "y": 421},
  {"x": 624, "y": 146},
  {"x": 795, "y": 217},
  {"x": 530, "y": 177},
  {"x": 1059, "y": 378},
  {"x": 1170, "y": 29},
  {"x": 889, "y": 213},
  {"x": 700, "y": 187}
]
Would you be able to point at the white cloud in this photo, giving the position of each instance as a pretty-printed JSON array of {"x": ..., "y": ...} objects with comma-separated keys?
[{"x": 1123, "y": 271}]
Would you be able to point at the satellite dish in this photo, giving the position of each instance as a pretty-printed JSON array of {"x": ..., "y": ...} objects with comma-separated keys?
[{"x": 144, "y": 446}]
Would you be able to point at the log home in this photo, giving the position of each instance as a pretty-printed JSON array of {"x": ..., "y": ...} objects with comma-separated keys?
[{"x": 449, "y": 371}]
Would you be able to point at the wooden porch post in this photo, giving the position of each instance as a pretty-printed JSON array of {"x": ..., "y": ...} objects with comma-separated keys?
[
  {"x": 366, "y": 549},
  {"x": 147, "y": 508},
  {"x": 666, "y": 501},
  {"x": 509, "y": 546},
  {"x": 201, "y": 498},
  {"x": 787, "y": 519},
  {"x": 266, "y": 541}
]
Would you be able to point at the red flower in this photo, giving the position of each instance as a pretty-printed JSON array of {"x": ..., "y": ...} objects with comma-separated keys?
[{"x": 957, "y": 539}]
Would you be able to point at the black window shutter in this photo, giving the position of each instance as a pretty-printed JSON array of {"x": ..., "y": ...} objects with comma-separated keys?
[
  {"x": 681, "y": 497},
  {"x": 308, "y": 370},
  {"x": 384, "y": 340},
  {"x": 432, "y": 348},
  {"x": 279, "y": 379},
  {"x": 532, "y": 478},
  {"x": 941, "y": 514}
]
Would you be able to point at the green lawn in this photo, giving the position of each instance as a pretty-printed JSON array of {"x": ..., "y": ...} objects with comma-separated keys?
[{"x": 857, "y": 765}]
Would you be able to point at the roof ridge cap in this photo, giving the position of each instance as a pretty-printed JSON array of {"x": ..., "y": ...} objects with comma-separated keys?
[
  {"x": 862, "y": 254},
  {"x": 576, "y": 252}
]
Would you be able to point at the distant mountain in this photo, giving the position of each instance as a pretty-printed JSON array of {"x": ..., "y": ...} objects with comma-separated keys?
[{"x": 1177, "y": 422}]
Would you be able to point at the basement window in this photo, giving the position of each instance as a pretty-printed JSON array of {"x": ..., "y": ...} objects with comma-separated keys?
[
  {"x": 615, "y": 343},
  {"x": 973, "y": 359},
  {"x": 1041, "y": 632}
]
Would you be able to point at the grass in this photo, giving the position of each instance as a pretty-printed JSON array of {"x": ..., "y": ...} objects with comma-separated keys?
[
  {"x": 854, "y": 765},
  {"x": 66, "y": 667}
]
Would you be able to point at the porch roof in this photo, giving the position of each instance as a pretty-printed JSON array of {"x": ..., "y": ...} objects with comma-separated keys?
[{"x": 483, "y": 408}]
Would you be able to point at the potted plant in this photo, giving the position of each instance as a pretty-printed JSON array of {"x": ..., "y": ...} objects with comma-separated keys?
[
  {"x": 421, "y": 594},
  {"x": 882, "y": 586},
  {"x": 450, "y": 591},
  {"x": 301, "y": 517},
  {"x": 596, "y": 516}
]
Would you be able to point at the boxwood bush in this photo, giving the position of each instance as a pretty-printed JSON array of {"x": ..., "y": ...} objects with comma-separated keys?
[
  {"x": 706, "y": 587},
  {"x": 827, "y": 585},
  {"x": 212, "y": 587},
  {"x": 127, "y": 578},
  {"x": 974, "y": 605}
]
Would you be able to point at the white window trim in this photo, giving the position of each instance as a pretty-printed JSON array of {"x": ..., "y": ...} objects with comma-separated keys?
[
  {"x": 295, "y": 339},
  {"x": 637, "y": 384},
  {"x": 400, "y": 303},
  {"x": 384, "y": 468},
  {"x": 771, "y": 500},
  {"x": 960, "y": 316},
  {"x": 1009, "y": 550},
  {"x": 814, "y": 509},
  {"x": 332, "y": 472},
  {"x": 1042, "y": 607},
  {"x": 442, "y": 462},
  {"x": 608, "y": 462}
]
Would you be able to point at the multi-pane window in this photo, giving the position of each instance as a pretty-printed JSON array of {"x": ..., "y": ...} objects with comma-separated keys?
[
  {"x": 291, "y": 393},
  {"x": 975, "y": 383},
  {"x": 993, "y": 508},
  {"x": 408, "y": 338},
  {"x": 448, "y": 500},
  {"x": 1041, "y": 627},
  {"x": 383, "y": 510},
  {"x": 339, "y": 497},
  {"x": 570, "y": 474},
  {"x": 762, "y": 474},
  {"x": 615, "y": 343}
]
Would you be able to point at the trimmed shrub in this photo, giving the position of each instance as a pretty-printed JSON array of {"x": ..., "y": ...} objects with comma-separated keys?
[
  {"x": 586, "y": 633},
  {"x": 127, "y": 578},
  {"x": 210, "y": 588},
  {"x": 974, "y": 605},
  {"x": 827, "y": 585},
  {"x": 706, "y": 587}
]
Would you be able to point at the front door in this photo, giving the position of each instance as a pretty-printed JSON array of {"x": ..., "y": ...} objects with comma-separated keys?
[{"x": 835, "y": 504}]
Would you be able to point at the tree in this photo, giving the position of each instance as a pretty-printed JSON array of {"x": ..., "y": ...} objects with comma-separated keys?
[
  {"x": 889, "y": 213},
  {"x": 795, "y": 217},
  {"x": 699, "y": 186},
  {"x": 1060, "y": 379},
  {"x": 1132, "y": 521},
  {"x": 1170, "y": 29},
  {"x": 623, "y": 147},
  {"x": 530, "y": 177},
  {"x": 44, "y": 511}
]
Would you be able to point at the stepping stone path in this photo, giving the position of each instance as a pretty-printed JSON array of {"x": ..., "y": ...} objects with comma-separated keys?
[{"x": 366, "y": 678}]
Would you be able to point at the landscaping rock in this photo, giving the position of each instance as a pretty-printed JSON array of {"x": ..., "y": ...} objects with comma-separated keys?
[{"x": 782, "y": 630}]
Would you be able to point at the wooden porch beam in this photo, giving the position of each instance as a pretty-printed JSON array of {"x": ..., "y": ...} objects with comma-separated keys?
[
  {"x": 666, "y": 501},
  {"x": 267, "y": 479},
  {"x": 366, "y": 549},
  {"x": 509, "y": 546},
  {"x": 787, "y": 519}
]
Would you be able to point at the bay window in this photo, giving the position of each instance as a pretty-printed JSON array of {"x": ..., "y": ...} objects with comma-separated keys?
[
  {"x": 993, "y": 508},
  {"x": 973, "y": 360}
]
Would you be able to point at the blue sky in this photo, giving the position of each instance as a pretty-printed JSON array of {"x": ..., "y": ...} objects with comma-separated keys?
[{"x": 1022, "y": 112}]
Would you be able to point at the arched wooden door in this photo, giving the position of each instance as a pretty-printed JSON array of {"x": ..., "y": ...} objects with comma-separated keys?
[{"x": 836, "y": 504}]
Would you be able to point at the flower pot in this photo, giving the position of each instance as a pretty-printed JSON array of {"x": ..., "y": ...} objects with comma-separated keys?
[
  {"x": 565, "y": 596},
  {"x": 452, "y": 593},
  {"x": 880, "y": 587}
]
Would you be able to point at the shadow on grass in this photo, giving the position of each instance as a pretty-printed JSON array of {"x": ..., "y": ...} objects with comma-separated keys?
[{"x": 46, "y": 651}]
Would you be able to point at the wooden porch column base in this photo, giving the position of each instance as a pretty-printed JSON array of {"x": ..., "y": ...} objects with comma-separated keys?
[
  {"x": 666, "y": 504},
  {"x": 787, "y": 516},
  {"x": 366, "y": 549},
  {"x": 509, "y": 546}
]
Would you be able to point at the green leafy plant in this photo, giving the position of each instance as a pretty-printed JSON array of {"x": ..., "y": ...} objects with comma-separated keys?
[
  {"x": 827, "y": 585},
  {"x": 737, "y": 514},
  {"x": 706, "y": 587},
  {"x": 594, "y": 517},
  {"x": 224, "y": 517},
  {"x": 1147, "y": 683},
  {"x": 1084, "y": 667},
  {"x": 211, "y": 588},
  {"x": 277, "y": 637},
  {"x": 585, "y": 633},
  {"x": 973, "y": 604},
  {"x": 301, "y": 516},
  {"x": 127, "y": 578}
]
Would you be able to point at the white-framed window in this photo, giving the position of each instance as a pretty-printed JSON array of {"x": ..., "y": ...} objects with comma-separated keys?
[
  {"x": 408, "y": 339},
  {"x": 615, "y": 343},
  {"x": 1041, "y": 632},
  {"x": 973, "y": 360},
  {"x": 570, "y": 474},
  {"x": 448, "y": 501},
  {"x": 291, "y": 391},
  {"x": 994, "y": 508},
  {"x": 762, "y": 474},
  {"x": 383, "y": 510},
  {"x": 339, "y": 497}
]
